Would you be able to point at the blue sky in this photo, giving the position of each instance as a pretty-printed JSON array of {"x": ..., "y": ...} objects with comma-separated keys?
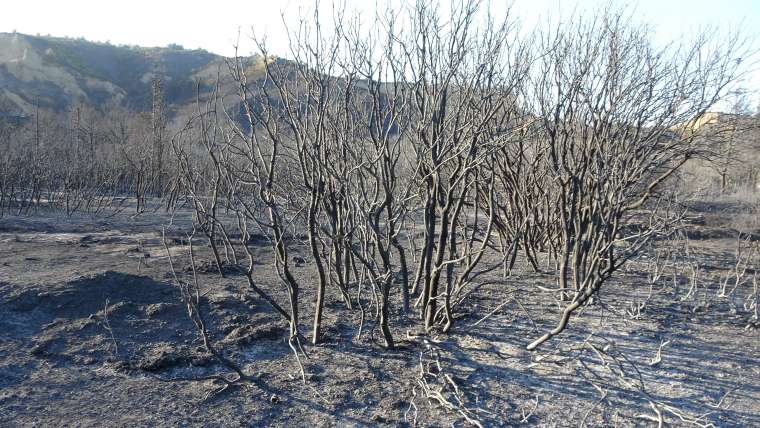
[{"x": 214, "y": 24}]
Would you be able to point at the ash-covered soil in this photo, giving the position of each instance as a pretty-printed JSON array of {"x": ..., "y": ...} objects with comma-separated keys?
[{"x": 93, "y": 332}]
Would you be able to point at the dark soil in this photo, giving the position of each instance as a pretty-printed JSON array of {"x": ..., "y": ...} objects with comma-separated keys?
[{"x": 93, "y": 332}]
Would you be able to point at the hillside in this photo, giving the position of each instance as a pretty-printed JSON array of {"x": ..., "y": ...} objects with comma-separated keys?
[{"x": 59, "y": 72}]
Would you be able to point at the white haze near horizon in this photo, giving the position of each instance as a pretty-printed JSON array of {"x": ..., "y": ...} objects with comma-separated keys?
[{"x": 218, "y": 25}]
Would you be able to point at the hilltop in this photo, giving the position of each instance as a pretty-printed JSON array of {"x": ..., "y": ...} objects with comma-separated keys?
[{"x": 56, "y": 73}]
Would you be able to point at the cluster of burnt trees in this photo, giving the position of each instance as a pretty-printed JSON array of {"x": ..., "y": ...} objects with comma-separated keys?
[
  {"x": 734, "y": 169},
  {"x": 83, "y": 160},
  {"x": 419, "y": 156}
]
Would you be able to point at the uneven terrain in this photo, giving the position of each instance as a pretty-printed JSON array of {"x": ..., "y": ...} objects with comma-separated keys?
[{"x": 93, "y": 332}]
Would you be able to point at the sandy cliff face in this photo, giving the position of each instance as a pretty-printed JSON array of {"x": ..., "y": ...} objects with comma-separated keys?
[
  {"x": 24, "y": 64},
  {"x": 58, "y": 73}
]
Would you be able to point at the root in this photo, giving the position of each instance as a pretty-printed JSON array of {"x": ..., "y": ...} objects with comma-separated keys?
[
  {"x": 438, "y": 386},
  {"x": 226, "y": 381}
]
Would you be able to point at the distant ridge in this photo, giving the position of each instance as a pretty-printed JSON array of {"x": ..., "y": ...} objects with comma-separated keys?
[{"x": 57, "y": 73}]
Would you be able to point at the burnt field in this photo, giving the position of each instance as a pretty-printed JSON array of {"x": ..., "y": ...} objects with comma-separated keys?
[
  {"x": 95, "y": 331},
  {"x": 420, "y": 217}
]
